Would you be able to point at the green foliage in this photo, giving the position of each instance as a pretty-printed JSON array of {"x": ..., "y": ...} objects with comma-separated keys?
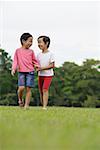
[
  {"x": 5, "y": 61},
  {"x": 90, "y": 101},
  {"x": 9, "y": 99},
  {"x": 8, "y": 83},
  {"x": 72, "y": 85}
]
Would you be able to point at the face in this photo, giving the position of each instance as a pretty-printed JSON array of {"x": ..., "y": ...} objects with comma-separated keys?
[
  {"x": 28, "y": 42},
  {"x": 41, "y": 44}
]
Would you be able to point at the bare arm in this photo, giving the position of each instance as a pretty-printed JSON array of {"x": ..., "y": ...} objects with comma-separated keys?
[{"x": 51, "y": 65}]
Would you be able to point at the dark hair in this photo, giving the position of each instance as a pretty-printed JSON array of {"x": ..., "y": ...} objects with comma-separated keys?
[
  {"x": 46, "y": 40},
  {"x": 24, "y": 37}
]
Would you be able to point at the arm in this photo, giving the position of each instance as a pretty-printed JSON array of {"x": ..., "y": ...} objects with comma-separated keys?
[
  {"x": 51, "y": 65},
  {"x": 14, "y": 64},
  {"x": 34, "y": 60}
]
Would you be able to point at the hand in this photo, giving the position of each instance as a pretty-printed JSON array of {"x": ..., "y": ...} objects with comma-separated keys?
[
  {"x": 38, "y": 69},
  {"x": 12, "y": 72}
]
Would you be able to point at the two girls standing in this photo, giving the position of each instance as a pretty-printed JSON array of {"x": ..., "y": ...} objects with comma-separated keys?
[{"x": 25, "y": 62}]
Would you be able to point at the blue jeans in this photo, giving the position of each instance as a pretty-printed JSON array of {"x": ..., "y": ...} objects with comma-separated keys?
[{"x": 26, "y": 79}]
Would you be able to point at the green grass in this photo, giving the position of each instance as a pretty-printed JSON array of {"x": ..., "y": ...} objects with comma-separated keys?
[{"x": 58, "y": 128}]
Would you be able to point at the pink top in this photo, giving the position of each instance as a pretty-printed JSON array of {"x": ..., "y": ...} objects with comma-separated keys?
[{"x": 24, "y": 60}]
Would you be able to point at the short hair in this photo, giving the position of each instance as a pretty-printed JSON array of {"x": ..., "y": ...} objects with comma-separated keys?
[
  {"x": 24, "y": 37},
  {"x": 46, "y": 40}
]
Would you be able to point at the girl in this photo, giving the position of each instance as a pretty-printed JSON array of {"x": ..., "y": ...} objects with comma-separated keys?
[
  {"x": 24, "y": 61},
  {"x": 45, "y": 72}
]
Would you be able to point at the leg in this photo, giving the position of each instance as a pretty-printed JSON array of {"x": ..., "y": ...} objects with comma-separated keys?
[
  {"x": 20, "y": 94},
  {"x": 28, "y": 95},
  {"x": 21, "y": 84},
  {"x": 41, "y": 97},
  {"x": 46, "y": 85},
  {"x": 40, "y": 85},
  {"x": 45, "y": 98},
  {"x": 29, "y": 84}
]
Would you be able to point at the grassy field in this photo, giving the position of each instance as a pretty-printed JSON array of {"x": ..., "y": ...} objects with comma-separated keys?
[{"x": 57, "y": 128}]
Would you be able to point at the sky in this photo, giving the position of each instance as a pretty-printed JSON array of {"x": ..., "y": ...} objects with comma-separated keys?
[{"x": 73, "y": 27}]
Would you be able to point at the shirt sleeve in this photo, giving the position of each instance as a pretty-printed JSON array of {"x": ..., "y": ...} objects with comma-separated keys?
[
  {"x": 52, "y": 59},
  {"x": 15, "y": 61}
]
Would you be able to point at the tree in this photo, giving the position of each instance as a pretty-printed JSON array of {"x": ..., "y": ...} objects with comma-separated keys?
[
  {"x": 7, "y": 83},
  {"x": 72, "y": 85}
]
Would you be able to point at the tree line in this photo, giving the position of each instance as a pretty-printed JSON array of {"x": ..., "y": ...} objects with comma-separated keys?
[{"x": 73, "y": 85}]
